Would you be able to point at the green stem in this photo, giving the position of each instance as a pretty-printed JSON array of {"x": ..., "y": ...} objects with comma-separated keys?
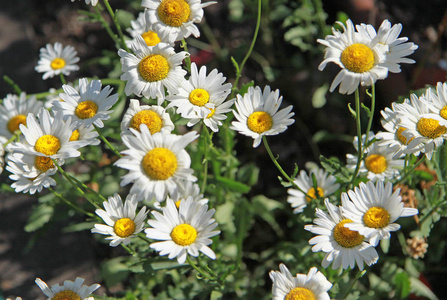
[
  {"x": 66, "y": 201},
  {"x": 103, "y": 138},
  {"x": 434, "y": 209},
  {"x": 144, "y": 238},
  {"x": 14, "y": 85},
  {"x": 205, "y": 158},
  {"x": 106, "y": 26},
  {"x": 62, "y": 78},
  {"x": 359, "y": 274},
  {"x": 128, "y": 249},
  {"x": 359, "y": 136},
  {"x": 371, "y": 116},
  {"x": 12, "y": 139},
  {"x": 199, "y": 269},
  {"x": 184, "y": 46},
  {"x": 409, "y": 171},
  {"x": 46, "y": 94},
  {"x": 117, "y": 25}
]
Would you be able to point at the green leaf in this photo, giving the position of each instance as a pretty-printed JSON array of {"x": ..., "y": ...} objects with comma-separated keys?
[
  {"x": 235, "y": 64},
  {"x": 245, "y": 86},
  {"x": 402, "y": 284},
  {"x": 366, "y": 109},
  {"x": 353, "y": 113},
  {"x": 319, "y": 96},
  {"x": 233, "y": 185},
  {"x": 385, "y": 245},
  {"x": 40, "y": 216},
  {"x": 263, "y": 207}
]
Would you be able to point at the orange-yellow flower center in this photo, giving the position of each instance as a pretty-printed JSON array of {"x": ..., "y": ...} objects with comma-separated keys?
[
  {"x": 43, "y": 163},
  {"x": 346, "y": 237},
  {"x": 86, "y": 109},
  {"x": 47, "y": 144},
  {"x": 211, "y": 114},
  {"x": 300, "y": 293},
  {"x": 152, "y": 120},
  {"x": 177, "y": 203},
  {"x": 376, "y": 217},
  {"x": 376, "y": 163},
  {"x": 74, "y": 136},
  {"x": 153, "y": 67},
  {"x": 402, "y": 139},
  {"x": 124, "y": 227},
  {"x": 199, "y": 97},
  {"x": 443, "y": 112},
  {"x": 14, "y": 123},
  {"x": 66, "y": 295},
  {"x": 183, "y": 234},
  {"x": 358, "y": 58},
  {"x": 174, "y": 12},
  {"x": 259, "y": 122},
  {"x": 57, "y": 63},
  {"x": 160, "y": 163},
  {"x": 151, "y": 38},
  {"x": 311, "y": 194},
  {"x": 430, "y": 128}
]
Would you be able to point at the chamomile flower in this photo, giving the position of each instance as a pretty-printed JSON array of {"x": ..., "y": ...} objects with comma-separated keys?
[
  {"x": 57, "y": 59},
  {"x": 154, "y": 117},
  {"x": 140, "y": 27},
  {"x": 343, "y": 247},
  {"x": 360, "y": 57},
  {"x": 93, "y": 2},
  {"x": 312, "y": 285},
  {"x": 174, "y": 20},
  {"x": 70, "y": 290},
  {"x": 90, "y": 105},
  {"x": 13, "y": 112},
  {"x": 373, "y": 210},
  {"x": 214, "y": 117},
  {"x": 156, "y": 162},
  {"x": 183, "y": 231},
  {"x": 84, "y": 135},
  {"x": 257, "y": 114},
  {"x": 122, "y": 221},
  {"x": 437, "y": 102},
  {"x": 200, "y": 93},
  {"x": 151, "y": 69},
  {"x": 326, "y": 185}
]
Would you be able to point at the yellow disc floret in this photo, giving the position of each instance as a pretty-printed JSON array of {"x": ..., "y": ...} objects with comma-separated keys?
[
  {"x": 376, "y": 163},
  {"x": 66, "y": 295},
  {"x": 57, "y": 63},
  {"x": 358, "y": 58},
  {"x": 199, "y": 97},
  {"x": 346, "y": 237},
  {"x": 311, "y": 194},
  {"x": 443, "y": 112},
  {"x": 259, "y": 122},
  {"x": 430, "y": 128},
  {"x": 151, "y": 38},
  {"x": 152, "y": 120},
  {"x": 43, "y": 163},
  {"x": 213, "y": 110},
  {"x": 376, "y": 217},
  {"x": 174, "y": 12},
  {"x": 402, "y": 139},
  {"x": 47, "y": 144},
  {"x": 124, "y": 227},
  {"x": 14, "y": 123},
  {"x": 300, "y": 293},
  {"x": 74, "y": 136},
  {"x": 86, "y": 109},
  {"x": 160, "y": 163},
  {"x": 177, "y": 203},
  {"x": 183, "y": 234},
  {"x": 153, "y": 67}
]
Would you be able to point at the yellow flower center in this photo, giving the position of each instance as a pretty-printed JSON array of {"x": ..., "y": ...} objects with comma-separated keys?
[
  {"x": 14, "y": 123},
  {"x": 430, "y": 128},
  {"x": 300, "y": 293},
  {"x": 184, "y": 234},
  {"x": 153, "y": 67},
  {"x": 124, "y": 227},
  {"x": 174, "y": 12},
  {"x": 376, "y": 163},
  {"x": 376, "y": 217},
  {"x": 177, "y": 203},
  {"x": 47, "y": 144},
  {"x": 199, "y": 97},
  {"x": 213, "y": 110},
  {"x": 57, "y": 63},
  {"x": 152, "y": 120},
  {"x": 151, "y": 38},
  {"x": 74, "y": 136},
  {"x": 401, "y": 138},
  {"x": 160, "y": 163},
  {"x": 43, "y": 163},
  {"x": 66, "y": 295},
  {"x": 259, "y": 122},
  {"x": 443, "y": 112},
  {"x": 357, "y": 58},
  {"x": 312, "y": 195},
  {"x": 86, "y": 109},
  {"x": 346, "y": 237}
]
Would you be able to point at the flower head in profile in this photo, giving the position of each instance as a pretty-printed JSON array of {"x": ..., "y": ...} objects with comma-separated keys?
[
  {"x": 122, "y": 221},
  {"x": 70, "y": 290},
  {"x": 93, "y": 2},
  {"x": 373, "y": 210},
  {"x": 57, "y": 59},
  {"x": 183, "y": 231},
  {"x": 312, "y": 285},
  {"x": 140, "y": 27},
  {"x": 257, "y": 114}
]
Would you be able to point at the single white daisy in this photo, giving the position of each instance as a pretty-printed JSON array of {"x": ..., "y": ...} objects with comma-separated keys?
[
  {"x": 184, "y": 190},
  {"x": 183, "y": 231},
  {"x": 326, "y": 185},
  {"x": 84, "y": 135},
  {"x": 122, "y": 223},
  {"x": 373, "y": 210},
  {"x": 90, "y": 105},
  {"x": 200, "y": 93},
  {"x": 312, "y": 285},
  {"x": 360, "y": 57},
  {"x": 174, "y": 20},
  {"x": 154, "y": 117},
  {"x": 437, "y": 102},
  {"x": 257, "y": 114},
  {"x": 343, "y": 247},
  {"x": 70, "y": 290},
  {"x": 156, "y": 162},
  {"x": 13, "y": 112},
  {"x": 151, "y": 69},
  {"x": 93, "y": 2},
  {"x": 215, "y": 116},
  {"x": 140, "y": 27},
  {"x": 54, "y": 60}
]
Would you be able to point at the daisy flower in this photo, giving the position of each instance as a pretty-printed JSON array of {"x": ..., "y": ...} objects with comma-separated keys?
[
  {"x": 13, "y": 112},
  {"x": 88, "y": 106},
  {"x": 200, "y": 93},
  {"x": 437, "y": 102},
  {"x": 312, "y": 285},
  {"x": 84, "y": 135},
  {"x": 140, "y": 27},
  {"x": 174, "y": 20},
  {"x": 343, "y": 247},
  {"x": 151, "y": 69},
  {"x": 154, "y": 117},
  {"x": 70, "y": 289},
  {"x": 215, "y": 115},
  {"x": 156, "y": 162},
  {"x": 122, "y": 223},
  {"x": 257, "y": 114},
  {"x": 326, "y": 185},
  {"x": 360, "y": 57},
  {"x": 185, "y": 189},
  {"x": 183, "y": 231},
  {"x": 57, "y": 59},
  {"x": 93, "y": 2},
  {"x": 373, "y": 210}
]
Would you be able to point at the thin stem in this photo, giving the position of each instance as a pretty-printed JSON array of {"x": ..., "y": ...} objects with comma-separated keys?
[
  {"x": 62, "y": 78},
  {"x": 14, "y": 85},
  {"x": 371, "y": 116},
  {"x": 12, "y": 139},
  {"x": 66, "y": 201},
  {"x": 144, "y": 238},
  {"x": 103, "y": 138},
  {"x": 128, "y": 249},
  {"x": 359, "y": 274},
  {"x": 359, "y": 136},
  {"x": 199, "y": 269},
  {"x": 117, "y": 25},
  {"x": 106, "y": 26},
  {"x": 184, "y": 45},
  {"x": 409, "y": 171},
  {"x": 205, "y": 158}
]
